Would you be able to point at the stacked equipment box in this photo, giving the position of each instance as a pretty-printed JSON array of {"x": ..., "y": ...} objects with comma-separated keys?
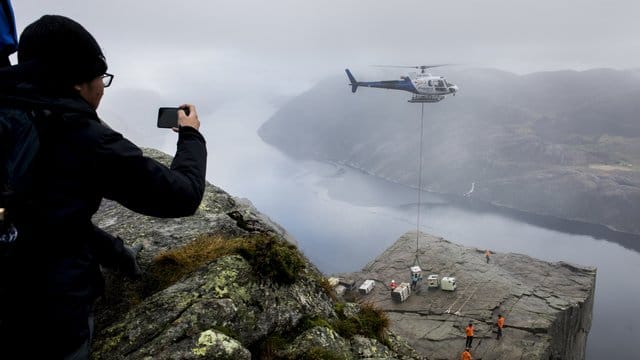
[{"x": 402, "y": 292}]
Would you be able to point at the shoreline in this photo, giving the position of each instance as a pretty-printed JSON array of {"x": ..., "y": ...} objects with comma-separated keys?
[{"x": 628, "y": 240}]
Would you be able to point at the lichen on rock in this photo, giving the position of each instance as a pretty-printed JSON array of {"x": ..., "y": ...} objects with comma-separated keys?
[{"x": 215, "y": 345}]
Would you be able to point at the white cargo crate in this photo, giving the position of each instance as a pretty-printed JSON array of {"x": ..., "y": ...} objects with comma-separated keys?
[
  {"x": 433, "y": 281},
  {"x": 366, "y": 287},
  {"x": 448, "y": 283},
  {"x": 402, "y": 292}
]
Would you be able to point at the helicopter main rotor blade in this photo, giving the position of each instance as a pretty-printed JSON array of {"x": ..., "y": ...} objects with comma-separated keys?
[
  {"x": 433, "y": 66},
  {"x": 419, "y": 67},
  {"x": 396, "y": 66},
  {"x": 414, "y": 66}
]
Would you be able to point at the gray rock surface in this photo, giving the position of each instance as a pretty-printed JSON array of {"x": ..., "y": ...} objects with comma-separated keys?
[
  {"x": 225, "y": 309},
  {"x": 547, "y": 306}
]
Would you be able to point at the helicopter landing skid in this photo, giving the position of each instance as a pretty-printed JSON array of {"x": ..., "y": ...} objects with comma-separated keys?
[{"x": 426, "y": 98}]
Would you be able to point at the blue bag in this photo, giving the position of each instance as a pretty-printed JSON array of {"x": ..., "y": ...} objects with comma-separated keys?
[{"x": 8, "y": 33}]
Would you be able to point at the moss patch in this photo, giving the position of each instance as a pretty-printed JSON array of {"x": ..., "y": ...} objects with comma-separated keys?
[
  {"x": 307, "y": 323},
  {"x": 270, "y": 257},
  {"x": 275, "y": 259},
  {"x": 318, "y": 353},
  {"x": 369, "y": 322}
]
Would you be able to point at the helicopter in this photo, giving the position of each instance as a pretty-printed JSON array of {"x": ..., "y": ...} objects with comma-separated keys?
[{"x": 426, "y": 88}]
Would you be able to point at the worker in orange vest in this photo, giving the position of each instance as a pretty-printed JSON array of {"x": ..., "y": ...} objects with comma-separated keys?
[
  {"x": 469, "y": 331},
  {"x": 466, "y": 355},
  {"x": 500, "y": 324},
  {"x": 487, "y": 254}
]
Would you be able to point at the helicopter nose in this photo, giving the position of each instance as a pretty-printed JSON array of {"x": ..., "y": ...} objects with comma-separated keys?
[{"x": 453, "y": 89}]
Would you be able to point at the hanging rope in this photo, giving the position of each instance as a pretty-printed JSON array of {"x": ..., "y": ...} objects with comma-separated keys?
[{"x": 419, "y": 182}]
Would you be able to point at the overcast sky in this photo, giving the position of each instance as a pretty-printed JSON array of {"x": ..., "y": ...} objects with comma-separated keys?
[
  {"x": 316, "y": 38},
  {"x": 216, "y": 53}
]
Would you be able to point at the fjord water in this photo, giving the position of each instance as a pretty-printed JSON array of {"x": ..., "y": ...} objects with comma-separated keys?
[{"x": 343, "y": 218}]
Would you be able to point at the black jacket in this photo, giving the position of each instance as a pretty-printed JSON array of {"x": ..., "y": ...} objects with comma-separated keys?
[{"x": 81, "y": 161}]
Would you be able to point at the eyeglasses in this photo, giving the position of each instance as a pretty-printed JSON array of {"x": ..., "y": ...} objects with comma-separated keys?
[{"x": 107, "y": 79}]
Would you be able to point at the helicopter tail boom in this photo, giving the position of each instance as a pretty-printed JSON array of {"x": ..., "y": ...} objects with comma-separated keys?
[{"x": 354, "y": 84}]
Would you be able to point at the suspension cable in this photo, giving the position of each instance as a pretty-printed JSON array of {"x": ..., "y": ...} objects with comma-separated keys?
[{"x": 420, "y": 179}]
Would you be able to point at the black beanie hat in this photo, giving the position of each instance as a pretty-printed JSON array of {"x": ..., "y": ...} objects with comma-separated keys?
[{"x": 64, "y": 51}]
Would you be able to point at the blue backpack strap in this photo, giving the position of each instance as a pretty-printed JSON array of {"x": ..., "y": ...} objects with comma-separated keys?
[{"x": 8, "y": 33}]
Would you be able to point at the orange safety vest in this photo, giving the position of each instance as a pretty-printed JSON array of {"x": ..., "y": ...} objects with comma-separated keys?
[
  {"x": 501, "y": 322},
  {"x": 466, "y": 355},
  {"x": 469, "y": 330}
]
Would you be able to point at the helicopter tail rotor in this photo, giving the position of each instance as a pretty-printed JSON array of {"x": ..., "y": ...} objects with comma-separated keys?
[{"x": 354, "y": 83}]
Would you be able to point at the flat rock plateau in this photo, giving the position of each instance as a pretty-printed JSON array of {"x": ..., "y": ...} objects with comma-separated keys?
[{"x": 547, "y": 306}]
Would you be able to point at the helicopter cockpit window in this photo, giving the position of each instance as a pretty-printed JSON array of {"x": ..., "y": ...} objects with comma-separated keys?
[{"x": 440, "y": 83}]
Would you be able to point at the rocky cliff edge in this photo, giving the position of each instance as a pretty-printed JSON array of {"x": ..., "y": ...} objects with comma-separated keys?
[
  {"x": 547, "y": 306},
  {"x": 227, "y": 283}
]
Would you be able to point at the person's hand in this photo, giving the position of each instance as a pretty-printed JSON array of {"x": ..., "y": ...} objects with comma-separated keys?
[{"x": 188, "y": 120}]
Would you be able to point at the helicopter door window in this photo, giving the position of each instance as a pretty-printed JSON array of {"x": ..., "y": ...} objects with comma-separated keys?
[{"x": 430, "y": 83}]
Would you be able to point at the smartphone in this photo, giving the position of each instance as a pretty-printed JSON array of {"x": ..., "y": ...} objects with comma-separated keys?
[{"x": 168, "y": 117}]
